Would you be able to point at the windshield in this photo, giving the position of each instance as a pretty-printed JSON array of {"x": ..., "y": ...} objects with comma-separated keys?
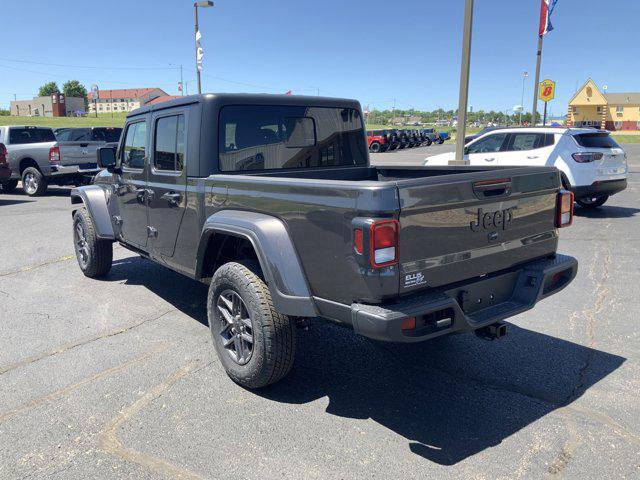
[{"x": 276, "y": 137}]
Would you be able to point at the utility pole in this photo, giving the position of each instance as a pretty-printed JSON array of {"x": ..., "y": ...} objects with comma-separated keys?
[
  {"x": 393, "y": 112},
  {"x": 464, "y": 82},
  {"x": 181, "y": 84},
  {"x": 524, "y": 76}
]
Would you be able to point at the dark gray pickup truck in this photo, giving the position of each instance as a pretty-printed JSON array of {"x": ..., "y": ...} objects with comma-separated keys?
[{"x": 271, "y": 200}]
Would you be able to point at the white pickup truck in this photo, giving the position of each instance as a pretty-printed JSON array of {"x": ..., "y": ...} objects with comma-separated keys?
[{"x": 593, "y": 166}]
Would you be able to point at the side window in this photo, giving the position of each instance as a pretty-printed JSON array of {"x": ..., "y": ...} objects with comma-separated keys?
[
  {"x": 169, "y": 149},
  {"x": 526, "y": 141},
  {"x": 490, "y": 143},
  {"x": 135, "y": 145}
]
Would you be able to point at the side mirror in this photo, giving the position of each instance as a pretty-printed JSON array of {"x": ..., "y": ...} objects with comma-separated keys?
[
  {"x": 466, "y": 150},
  {"x": 107, "y": 158}
]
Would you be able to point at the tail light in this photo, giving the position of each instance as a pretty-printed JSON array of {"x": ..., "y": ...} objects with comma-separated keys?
[
  {"x": 376, "y": 242},
  {"x": 384, "y": 243},
  {"x": 54, "y": 155},
  {"x": 564, "y": 209},
  {"x": 587, "y": 157},
  {"x": 3, "y": 153}
]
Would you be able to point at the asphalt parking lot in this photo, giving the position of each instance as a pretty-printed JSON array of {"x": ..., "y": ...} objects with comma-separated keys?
[{"x": 117, "y": 378}]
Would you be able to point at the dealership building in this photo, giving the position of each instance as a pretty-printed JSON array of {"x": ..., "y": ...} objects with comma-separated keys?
[
  {"x": 54, "y": 105},
  {"x": 593, "y": 107}
]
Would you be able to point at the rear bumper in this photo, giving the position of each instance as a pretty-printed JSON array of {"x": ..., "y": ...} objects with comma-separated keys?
[
  {"x": 465, "y": 306},
  {"x": 80, "y": 170},
  {"x": 602, "y": 187}
]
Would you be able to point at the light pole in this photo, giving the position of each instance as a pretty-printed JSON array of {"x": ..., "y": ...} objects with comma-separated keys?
[
  {"x": 201, "y": 4},
  {"x": 524, "y": 77}
]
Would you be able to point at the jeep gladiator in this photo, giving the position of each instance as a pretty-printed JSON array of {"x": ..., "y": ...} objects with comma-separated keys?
[{"x": 271, "y": 200}]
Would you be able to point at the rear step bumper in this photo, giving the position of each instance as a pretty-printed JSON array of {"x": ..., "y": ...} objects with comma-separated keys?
[
  {"x": 601, "y": 187},
  {"x": 467, "y": 306}
]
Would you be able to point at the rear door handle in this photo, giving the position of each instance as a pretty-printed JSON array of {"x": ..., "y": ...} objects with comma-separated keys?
[
  {"x": 489, "y": 159},
  {"x": 531, "y": 157},
  {"x": 172, "y": 197}
]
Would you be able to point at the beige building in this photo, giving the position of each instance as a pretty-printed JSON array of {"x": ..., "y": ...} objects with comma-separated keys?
[
  {"x": 55, "y": 105},
  {"x": 123, "y": 100},
  {"x": 590, "y": 107}
]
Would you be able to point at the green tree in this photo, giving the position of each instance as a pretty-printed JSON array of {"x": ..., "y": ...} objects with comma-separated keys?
[
  {"x": 73, "y": 88},
  {"x": 48, "y": 88}
]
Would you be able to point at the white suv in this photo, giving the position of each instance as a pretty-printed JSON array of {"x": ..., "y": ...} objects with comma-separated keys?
[{"x": 593, "y": 166}]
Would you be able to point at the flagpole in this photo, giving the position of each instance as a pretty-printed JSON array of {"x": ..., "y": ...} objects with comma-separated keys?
[
  {"x": 464, "y": 83},
  {"x": 195, "y": 16},
  {"x": 536, "y": 82}
]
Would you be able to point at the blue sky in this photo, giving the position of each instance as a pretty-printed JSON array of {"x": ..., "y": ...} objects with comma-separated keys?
[{"x": 371, "y": 50}]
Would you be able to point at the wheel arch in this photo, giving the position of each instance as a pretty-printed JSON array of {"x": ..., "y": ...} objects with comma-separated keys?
[
  {"x": 27, "y": 162},
  {"x": 94, "y": 199},
  {"x": 226, "y": 230}
]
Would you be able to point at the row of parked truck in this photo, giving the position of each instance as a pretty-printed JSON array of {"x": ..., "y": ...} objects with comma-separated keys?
[{"x": 396, "y": 139}]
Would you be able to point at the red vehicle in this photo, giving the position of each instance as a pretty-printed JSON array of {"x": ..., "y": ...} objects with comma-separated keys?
[
  {"x": 5, "y": 171},
  {"x": 378, "y": 140}
]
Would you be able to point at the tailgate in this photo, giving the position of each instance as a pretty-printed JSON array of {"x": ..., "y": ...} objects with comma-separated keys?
[
  {"x": 80, "y": 153},
  {"x": 612, "y": 165},
  {"x": 455, "y": 227}
]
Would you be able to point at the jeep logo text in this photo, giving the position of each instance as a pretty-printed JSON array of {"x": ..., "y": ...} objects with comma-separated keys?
[{"x": 498, "y": 219}]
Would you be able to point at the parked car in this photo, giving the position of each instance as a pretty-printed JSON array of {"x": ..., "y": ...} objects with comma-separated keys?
[
  {"x": 468, "y": 138},
  {"x": 274, "y": 204},
  {"x": 5, "y": 170},
  {"x": 34, "y": 156},
  {"x": 443, "y": 137},
  {"x": 593, "y": 166},
  {"x": 104, "y": 135},
  {"x": 430, "y": 136},
  {"x": 377, "y": 140}
]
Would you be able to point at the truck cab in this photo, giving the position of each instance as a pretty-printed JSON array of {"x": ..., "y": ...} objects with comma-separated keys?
[{"x": 271, "y": 200}]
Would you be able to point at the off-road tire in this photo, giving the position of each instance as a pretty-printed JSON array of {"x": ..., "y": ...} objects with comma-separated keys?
[
  {"x": 100, "y": 252},
  {"x": 598, "y": 202},
  {"x": 39, "y": 181},
  {"x": 374, "y": 147},
  {"x": 9, "y": 186},
  {"x": 428, "y": 142},
  {"x": 440, "y": 141},
  {"x": 274, "y": 339}
]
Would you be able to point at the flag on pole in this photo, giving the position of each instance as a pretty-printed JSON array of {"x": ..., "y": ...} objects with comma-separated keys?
[
  {"x": 288, "y": 92},
  {"x": 546, "y": 9},
  {"x": 180, "y": 87},
  {"x": 199, "y": 51}
]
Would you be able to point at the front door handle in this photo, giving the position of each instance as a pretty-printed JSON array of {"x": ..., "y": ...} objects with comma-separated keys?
[
  {"x": 532, "y": 157},
  {"x": 489, "y": 159},
  {"x": 172, "y": 197}
]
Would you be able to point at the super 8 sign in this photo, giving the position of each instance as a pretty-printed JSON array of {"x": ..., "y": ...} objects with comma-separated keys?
[{"x": 547, "y": 90}]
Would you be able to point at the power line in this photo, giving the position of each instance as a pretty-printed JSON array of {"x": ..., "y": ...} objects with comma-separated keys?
[{"x": 87, "y": 66}]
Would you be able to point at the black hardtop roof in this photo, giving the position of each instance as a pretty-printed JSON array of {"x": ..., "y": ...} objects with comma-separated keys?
[{"x": 222, "y": 99}]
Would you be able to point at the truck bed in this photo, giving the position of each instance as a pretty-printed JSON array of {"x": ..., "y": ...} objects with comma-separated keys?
[{"x": 435, "y": 207}]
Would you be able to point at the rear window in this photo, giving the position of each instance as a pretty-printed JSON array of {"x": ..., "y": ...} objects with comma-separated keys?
[
  {"x": 30, "y": 135},
  {"x": 596, "y": 140},
  {"x": 106, "y": 134},
  {"x": 277, "y": 137}
]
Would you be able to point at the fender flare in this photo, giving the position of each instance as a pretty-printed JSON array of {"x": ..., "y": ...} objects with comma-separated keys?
[
  {"x": 277, "y": 256},
  {"x": 94, "y": 198}
]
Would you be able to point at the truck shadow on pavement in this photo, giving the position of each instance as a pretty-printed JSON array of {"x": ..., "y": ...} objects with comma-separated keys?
[
  {"x": 450, "y": 398},
  {"x": 606, "y": 212}
]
